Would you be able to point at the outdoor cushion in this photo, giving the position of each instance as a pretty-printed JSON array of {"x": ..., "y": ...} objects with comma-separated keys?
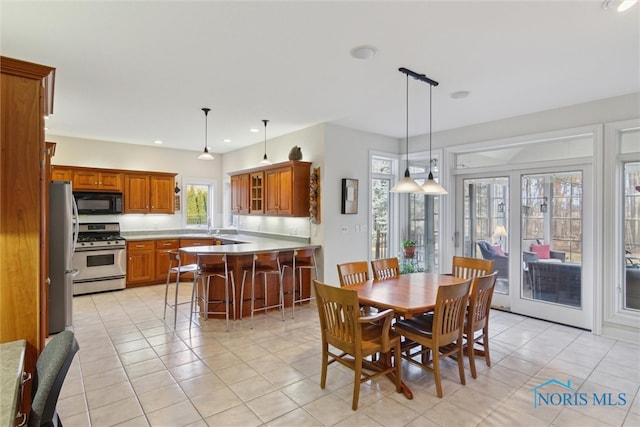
[{"x": 543, "y": 251}]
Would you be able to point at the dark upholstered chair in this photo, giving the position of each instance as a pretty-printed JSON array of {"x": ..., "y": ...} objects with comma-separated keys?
[
  {"x": 632, "y": 286},
  {"x": 501, "y": 262},
  {"x": 557, "y": 282},
  {"x": 51, "y": 369}
]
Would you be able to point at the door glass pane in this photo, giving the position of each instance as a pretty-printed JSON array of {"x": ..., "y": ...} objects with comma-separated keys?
[
  {"x": 423, "y": 220},
  {"x": 380, "y": 213},
  {"x": 632, "y": 235},
  {"x": 485, "y": 222},
  {"x": 552, "y": 238}
]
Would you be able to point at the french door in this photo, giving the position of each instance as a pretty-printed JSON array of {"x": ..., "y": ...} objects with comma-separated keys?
[{"x": 537, "y": 227}]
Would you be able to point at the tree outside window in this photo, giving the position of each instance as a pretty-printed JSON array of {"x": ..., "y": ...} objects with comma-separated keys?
[{"x": 198, "y": 206}]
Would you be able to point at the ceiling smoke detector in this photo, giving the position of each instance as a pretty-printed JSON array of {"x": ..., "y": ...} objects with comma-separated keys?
[{"x": 364, "y": 52}]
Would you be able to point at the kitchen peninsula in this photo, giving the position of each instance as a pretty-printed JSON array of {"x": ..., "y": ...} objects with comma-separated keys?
[{"x": 240, "y": 249}]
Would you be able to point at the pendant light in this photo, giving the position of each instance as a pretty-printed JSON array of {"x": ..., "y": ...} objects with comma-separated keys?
[
  {"x": 265, "y": 160},
  {"x": 431, "y": 186},
  {"x": 406, "y": 184},
  {"x": 205, "y": 154}
]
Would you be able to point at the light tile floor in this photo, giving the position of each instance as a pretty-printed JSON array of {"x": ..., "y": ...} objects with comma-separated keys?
[{"x": 133, "y": 370}]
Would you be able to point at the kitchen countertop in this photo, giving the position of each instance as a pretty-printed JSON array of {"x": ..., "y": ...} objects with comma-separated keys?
[
  {"x": 11, "y": 368},
  {"x": 246, "y": 244}
]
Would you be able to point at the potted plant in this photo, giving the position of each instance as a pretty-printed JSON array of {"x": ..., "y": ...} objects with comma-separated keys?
[{"x": 408, "y": 248}]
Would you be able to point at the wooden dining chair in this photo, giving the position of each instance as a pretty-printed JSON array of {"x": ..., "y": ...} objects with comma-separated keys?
[
  {"x": 385, "y": 268},
  {"x": 440, "y": 334},
  {"x": 477, "y": 319},
  {"x": 468, "y": 268},
  {"x": 356, "y": 337},
  {"x": 351, "y": 273}
]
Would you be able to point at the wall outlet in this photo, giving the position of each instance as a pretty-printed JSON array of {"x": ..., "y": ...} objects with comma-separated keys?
[{"x": 345, "y": 228}]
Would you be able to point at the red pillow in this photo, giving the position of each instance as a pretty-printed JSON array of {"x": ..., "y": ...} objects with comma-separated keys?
[
  {"x": 543, "y": 251},
  {"x": 498, "y": 250}
]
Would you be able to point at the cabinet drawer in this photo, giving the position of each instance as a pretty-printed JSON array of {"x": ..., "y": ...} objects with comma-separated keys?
[
  {"x": 196, "y": 242},
  {"x": 141, "y": 245},
  {"x": 167, "y": 244}
]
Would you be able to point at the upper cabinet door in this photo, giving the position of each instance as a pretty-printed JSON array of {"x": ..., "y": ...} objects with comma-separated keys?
[
  {"x": 161, "y": 194},
  {"x": 136, "y": 194}
]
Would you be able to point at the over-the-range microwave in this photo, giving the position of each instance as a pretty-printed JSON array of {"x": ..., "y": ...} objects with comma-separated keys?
[{"x": 96, "y": 203}]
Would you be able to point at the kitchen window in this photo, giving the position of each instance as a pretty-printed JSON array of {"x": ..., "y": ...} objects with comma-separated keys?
[{"x": 198, "y": 204}]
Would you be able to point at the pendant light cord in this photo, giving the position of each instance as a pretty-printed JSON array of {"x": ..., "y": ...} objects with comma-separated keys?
[
  {"x": 430, "y": 110},
  {"x": 407, "y": 127}
]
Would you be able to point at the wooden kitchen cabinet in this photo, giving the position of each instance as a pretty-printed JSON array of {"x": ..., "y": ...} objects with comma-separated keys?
[
  {"x": 27, "y": 97},
  {"x": 61, "y": 174},
  {"x": 141, "y": 256},
  {"x": 148, "y": 193},
  {"x": 95, "y": 180},
  {"x": 256, "y": 182},
  {"x": 278, "y": 192},
  {"x": 240, "y": 194},
  {"x": 280, "y": 189},
  {"x": 287, "y": 190},
  {"x": 163, "y": 247}
]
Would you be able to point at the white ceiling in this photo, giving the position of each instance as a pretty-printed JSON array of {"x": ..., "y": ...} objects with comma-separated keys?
[{"x": 139, "y": 71}]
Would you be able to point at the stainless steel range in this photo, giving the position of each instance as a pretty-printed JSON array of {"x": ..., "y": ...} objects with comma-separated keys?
[{"x": 100, "y": 258}]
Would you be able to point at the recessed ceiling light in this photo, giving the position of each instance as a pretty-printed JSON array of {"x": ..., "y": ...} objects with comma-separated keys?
[
  {"x": 619, "y": 5},
  {"x": 226, "y": 140},
  {"x": 460, "y": 94},
  {"x": 254, "y": 130},
  {"x": 157, "y": 141},
  {"x": 363, "y": 52}
]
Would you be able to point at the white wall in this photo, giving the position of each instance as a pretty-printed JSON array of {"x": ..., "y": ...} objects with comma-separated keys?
[{"x": 347, "y": 156}]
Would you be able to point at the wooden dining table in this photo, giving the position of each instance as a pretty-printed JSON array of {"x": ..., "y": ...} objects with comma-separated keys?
[{"x": 408, "y": 295}]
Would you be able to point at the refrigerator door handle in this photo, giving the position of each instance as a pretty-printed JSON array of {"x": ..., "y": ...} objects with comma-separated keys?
[{"x": 76, "y": 224}]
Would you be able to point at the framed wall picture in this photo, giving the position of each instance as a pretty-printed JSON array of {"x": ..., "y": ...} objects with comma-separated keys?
[{"x": 349, "y": 196}]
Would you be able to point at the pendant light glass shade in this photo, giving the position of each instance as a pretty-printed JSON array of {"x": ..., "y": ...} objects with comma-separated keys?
[
  {"x": 265, "y": 160},
  {"x": 431, "y": 186},
  {"x": 407, "y": 184},
  {"x": 205, "y": 154}
]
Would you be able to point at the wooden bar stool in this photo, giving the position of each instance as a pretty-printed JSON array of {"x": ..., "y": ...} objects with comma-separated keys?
[
  {"x": 213, "y": 265},
  {"x": 302, "y": 258},
  {"x": 176, "y": 267},
  {"x": 264, "y": 263}
]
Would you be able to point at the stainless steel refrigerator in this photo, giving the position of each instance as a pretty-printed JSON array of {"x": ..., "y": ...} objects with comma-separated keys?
[{"x": 63, "y": 234}]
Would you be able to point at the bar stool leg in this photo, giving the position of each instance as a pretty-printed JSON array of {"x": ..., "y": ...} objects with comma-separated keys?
[
  {"x": 193, "y": 297},
  {"x": 253, "y": 296},
  {"x": 175, "y": 301}
]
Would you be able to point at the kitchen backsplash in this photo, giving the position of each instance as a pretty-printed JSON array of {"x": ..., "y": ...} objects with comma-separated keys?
[{"x": 265, "y": 224}]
